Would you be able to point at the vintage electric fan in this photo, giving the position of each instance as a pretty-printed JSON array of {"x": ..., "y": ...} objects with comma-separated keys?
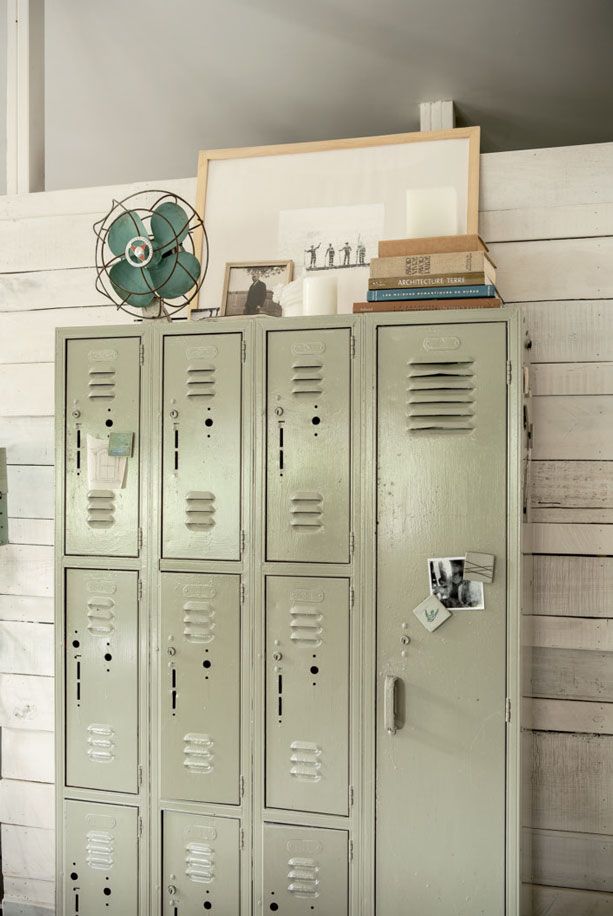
[{"x": 146, "y": 261}]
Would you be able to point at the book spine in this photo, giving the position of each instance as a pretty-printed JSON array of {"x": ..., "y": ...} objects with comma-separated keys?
[
  {"x": 414, "y": 305},
  {"x": 390, "y": 248},
  {"x": 441, "y": 292},
  {"x": 431, "y": 265},
  {"x": 475, "y": 279}
]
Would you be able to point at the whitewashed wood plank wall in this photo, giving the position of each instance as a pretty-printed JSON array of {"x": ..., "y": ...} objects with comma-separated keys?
[{"x": 548, "y": 216}]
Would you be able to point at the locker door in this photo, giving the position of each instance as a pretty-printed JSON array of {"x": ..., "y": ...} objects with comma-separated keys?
[
  {"x": 100, "y": 860},
  {"x": 440, "y": 782},
  {"x": 200, "y": 687},
  {"x": 101, "y": 640},
  {"x": 202, "y": 447},
  {"x": 305, "y": 871},
  {"x": 307, "y": 663},
  {"x": 102, "y": 396},
  {"x": 201, "y": 865},
  {"x": 308, "y": 446}
]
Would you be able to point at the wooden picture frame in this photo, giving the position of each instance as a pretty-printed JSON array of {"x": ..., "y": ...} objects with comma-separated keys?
[
  {"x": 256, "y": 266},
  {"x": 228, "y": 200}
]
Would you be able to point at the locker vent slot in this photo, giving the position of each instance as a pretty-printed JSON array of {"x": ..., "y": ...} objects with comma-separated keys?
[
  {"x": 198, "y": 754},
  {"x": 99, "y": 849},
  {"x": 200, "y": 381},
  {"x": 100, "y": 616},
  {"x": 307, "y": 376},
  {"x": 303, "y": 877},
  {"x": 440, "y": 397},
  {"x": 100, "y": 743},
  {"x": 305, "y": 760},
  {"x": 306, "y": 626},
  {"x": 200, "y": 863},
  {"x": 100, "y": 508},
  {"x": 101, "y": 383},
  {"x": 198, "y": 623},
  {"x": 199, "y": 510},
  {"x": 306, "y": 510}
]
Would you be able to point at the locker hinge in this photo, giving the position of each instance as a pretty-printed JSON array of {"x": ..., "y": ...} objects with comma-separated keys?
[
  {"x": 140, "y": 595},
  {"x": 243, "y": 350},
  {"x": 242, "y": 541},
  {"x": 242, "y": 786},
  {"x": 351, "y": 603},
  {"x": 509, "y": 372},
  {"x": 351, "y": 542},
  {"x": 352, "y": 346},
  {"x": 140, "y": 776},
  {"x": 140, "y": 538},
  {"x": 141, "y": 354},
  {"x": 507, "y": 709},
  {"x": 242, "y": 837},
  {"x": 351, "y": 850},
  {"x": 140, "y": 826},
  {"x": 351, "y": 796},
  {"x": 242, "y": 601}
]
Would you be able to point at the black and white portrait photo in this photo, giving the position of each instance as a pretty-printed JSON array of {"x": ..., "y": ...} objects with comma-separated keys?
[
  {"x": 254, "y": 289},
  {"x": 448, "y": 584}
]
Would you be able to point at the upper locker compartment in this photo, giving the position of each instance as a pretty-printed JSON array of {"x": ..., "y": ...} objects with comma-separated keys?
[
  {"x": 102, "y": 396},
  {"x": 201, "y": 476},
  {"x": 308, "y": 446}
]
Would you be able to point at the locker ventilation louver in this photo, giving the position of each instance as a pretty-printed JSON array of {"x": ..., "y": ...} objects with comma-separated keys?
[
  {"x": 200, "y": 863},
  {"x": 200, "y": 381},
  {"x": 305, "y": 761},
  {"x": 441, "y": 397},
  {"x": 198, "y": 623},
  {"x": 306, "y": 510},
  {"x": 100, "y": 616},
  {"x": 100, "y": 743},
  {"x": 307, "y": 376},
  {"x": 306, "y": 626},
  {"x": 198, "y": 754},
  {"x": 199, "y": 510},
  {"x": 100, "y": 508},
  {"x": 101, "y": 384},
  {"x": 303, "y": 877},
  {"x": 99, "y": 849}
]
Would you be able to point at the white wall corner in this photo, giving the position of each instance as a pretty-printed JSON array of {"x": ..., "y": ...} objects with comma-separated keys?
[{"x": 25, "y": 96}]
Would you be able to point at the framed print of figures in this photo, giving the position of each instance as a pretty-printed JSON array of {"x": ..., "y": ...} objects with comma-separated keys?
[
  {"x": 325, "y": 205},
  {"x": 253, "y": 288}
]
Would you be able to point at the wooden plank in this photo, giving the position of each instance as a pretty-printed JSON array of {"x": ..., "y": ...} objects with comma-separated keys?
[
  {"x": 573, "y": 427},
  {"x": 31, "y": 531},
  {"x": 560, "y": 901},
  {"x": 562, "y": 859},
  {"x": 573, "y": 674},
  {"x": 26, "y": 570},
  {"x": 571, "y": 378},
  {"x": 29, "y": 804},
  {"x": 19, "y": 607},
  {"x": 27, "y": 755},
  {"x": 50, "y": 289},
  {"x": 28, "y": 440},
  {"x": 18, "y": 908},
  {"x": 572, "y": 586},
  {"x": 572, "y": 484},
  {"x": 572, "y": 516},
  {"x": 26, "y": 701},
  {"x": 27, "y": 389},
  {"x": 594, "y": 540},
  {"x": 26, "y": 648},
  {"x": 565, "y": 331},
  {"x": 568, "y": 633},
  {"x": 31, "y": 491},
  {"x": 28, "y": 852},
  {"x": 532, "y": 223},
  {"x": 567, "y": 716},
  {"x": 29, "y": 891}
]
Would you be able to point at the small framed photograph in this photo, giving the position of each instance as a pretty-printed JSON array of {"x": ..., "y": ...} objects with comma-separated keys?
[
  {"x": 448, "y": 584},
  {"x": 253, "y": 288}
]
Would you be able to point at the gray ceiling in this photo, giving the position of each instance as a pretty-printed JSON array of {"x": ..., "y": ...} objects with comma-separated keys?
[{"x": 135, "y": 88}]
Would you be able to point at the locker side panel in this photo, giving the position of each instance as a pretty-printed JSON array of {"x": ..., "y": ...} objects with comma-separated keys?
[
  {"x": 305, "y": 871},
  {"x": 201, "y": 865},
  {"x": 100, "y": 859},
  {"x": 101, "y": 690},
  {"x": 102, "y": 396},
  {"x": 201, "y": 477},
  {"x": 200, "y": 687},
  {"x": 307, "y": 664},
  {"x": 308, "y": 445}
]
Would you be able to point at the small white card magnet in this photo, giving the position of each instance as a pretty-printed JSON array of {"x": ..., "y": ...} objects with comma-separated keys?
[
  {"x": 431, "y": 613},
  {"x": 479, "y": 567}
]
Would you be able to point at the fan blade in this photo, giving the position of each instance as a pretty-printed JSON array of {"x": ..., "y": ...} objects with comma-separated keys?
[
  {"x": 123, "y": 229},
  {"x": 176, "y": 275},
  {"x": 133, "y": 284},
  {"x": 169, "y": 225}
]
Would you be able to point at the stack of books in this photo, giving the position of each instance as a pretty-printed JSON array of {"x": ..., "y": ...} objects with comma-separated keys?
[{"x": 451, "y": 271}]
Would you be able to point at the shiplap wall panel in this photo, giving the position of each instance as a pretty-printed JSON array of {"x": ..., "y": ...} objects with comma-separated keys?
[
  {"x": 572, "y": 484},
  {"x": 38, "y": 346},
  {"x": 559, "y": 538},
  {"x": 565, "y": 859},
  {"x": 576, "y": 674},
  {"x": 561, "y": 901},
  {"x": 27, "y": 389},
  {"x": 28, "y": 852},
  {"x": 542, "y": 223},
  {"x": 27, "y": 755},
  {"x": 28, "y": 440},
  {"x": 573, "y": 427},
  {"x": 572, "y": 586},
  {"x": 26, "y": 701},
  {"x": 572, "y": 516},
  {"x": 50, "y": 289},
  {"x": 22, "y": 607},
  {"x": 555, "y": 632},
  {"x": 31, "y": 531},
  {"x": 28, "y": 804},
  {"x": 26, "y": 648},
  {"x": 567, "y": 716},
  {"x": 28, "y": 891},
  {"x": 572, "y": 378},
  {"x": 566, "y": 331},
  {"x": 32, "y": 491},
  {"x": 26, "y": 570}
]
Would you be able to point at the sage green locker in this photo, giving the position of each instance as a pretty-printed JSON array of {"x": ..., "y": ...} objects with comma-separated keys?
[
  {"x": 307, "y": 664},
  {"x": 200, "y": 687},
  {"x": 440, "y": 779},
  {"x": 201, "y": 865},
  {"x": 306, "y": 871},
  {"x": 308, "y": 417},
  {"x": 101, "y": 695},
  {"x": 102, "y": 396},
  {"x": 201, "y": 478},
  {"x": 101, "y": 868}
]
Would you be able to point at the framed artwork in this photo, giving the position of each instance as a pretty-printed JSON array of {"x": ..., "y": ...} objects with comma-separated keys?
[
  {"x": 253, "y": 287},
  {"x": 326, "y": 205}
]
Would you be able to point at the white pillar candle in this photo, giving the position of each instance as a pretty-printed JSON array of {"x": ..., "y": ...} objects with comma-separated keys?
[{"x": 319, "y": 295}]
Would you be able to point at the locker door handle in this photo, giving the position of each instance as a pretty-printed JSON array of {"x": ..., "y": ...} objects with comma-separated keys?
[{"x": 389, "y": 703}]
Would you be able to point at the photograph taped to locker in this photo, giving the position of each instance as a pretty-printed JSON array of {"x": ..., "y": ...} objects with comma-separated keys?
[{"x": 447, "y": 582}]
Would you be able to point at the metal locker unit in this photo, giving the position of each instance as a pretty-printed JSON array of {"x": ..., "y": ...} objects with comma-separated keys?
[
  {"x": 101, "y": 869},
  {"x": 305, "y": 871},
  {"x": 101, "y": 690},
  {"x": 441, "y": 422},
  {"x": 201, "y": 475},
  {"x": 308, "y": 451},
  {"x": 102, "y": 395},
  {"x": 200, "y": 685},
  {"x": 307, "y": 663},
  {"x": 201, "y": 865}
]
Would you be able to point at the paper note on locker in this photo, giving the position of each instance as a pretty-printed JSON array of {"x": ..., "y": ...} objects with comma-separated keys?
[{"x": 104, "y": 472}]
